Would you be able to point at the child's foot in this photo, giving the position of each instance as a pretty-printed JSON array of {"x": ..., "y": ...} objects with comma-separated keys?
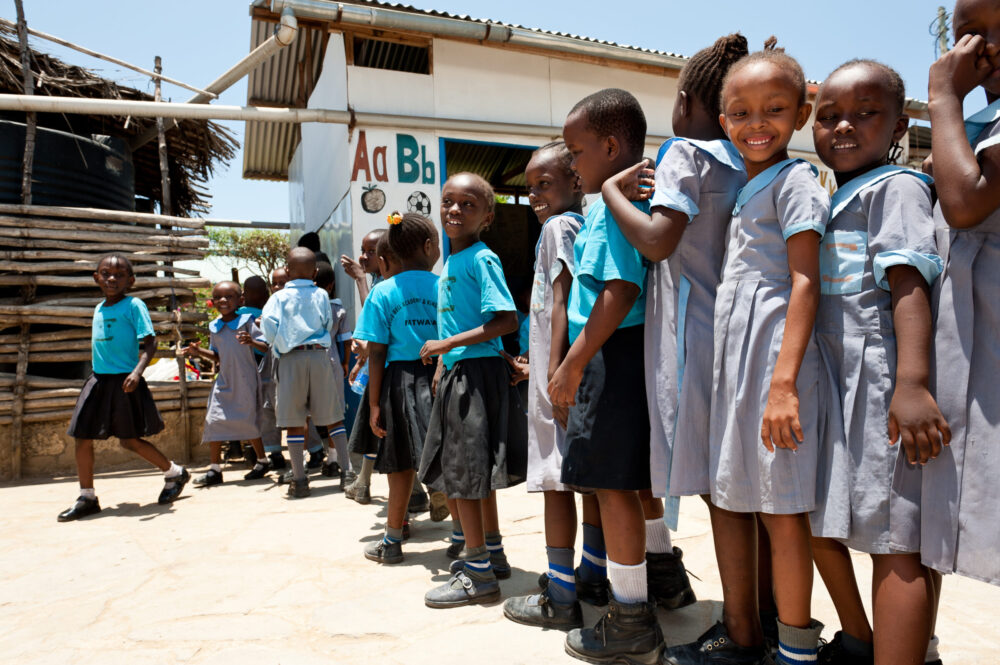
[
  {"x": 173, "y": 486},
  {"x": 82, "y": 508},
  {"x": 330, "y": 469},
  {"x": 258, "y": 471},
  {"x": 298, "y": 489},
  {"x": 210, "y": 479},
  {"x": 383, "y": 552},
  {"x": 439, "y": 507},
  {"x": 418, "y": 503},
  {"x": 627, "y": 632},
  {"x": 277, "y": 460},
  {"x": 249, "y": 456},
  {"x": 714, "y": 646},
  {"x": 668, "y": 582},
  {"x": 540, "y": 610},
  {"x": 360, "y": 493},
  {"x": 315, "y": 460},
  {"x": 461, "y": 590},
  {"x": 592, "y": 593},
  {"x": 835, "y": 652},
  {"x": 498, "y": 560}
]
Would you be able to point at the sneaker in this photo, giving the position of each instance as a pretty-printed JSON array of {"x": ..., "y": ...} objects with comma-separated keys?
[
  {"x": 277, "y": 460},
  {"x": 592, "y": 593},
  {"x": 419, "y": 503},
  {"x": 82, "y": 508},
  {"x": 463, "y": 590},
  {"x": 298, "y": 489},
  {"x": 540, "y": 610},
  {"x": 315, "y": 460},
  {"x": 360, "y": 493},
  {"x": 668, "y": 581},
  {"x": 330, "y": 469},
  {"x": 383, "y": 552},
  {"x": 257, "y": 472},
  {"x": 454, "y": 550},
  {"x": 498, "y": 561},
  {"x": 439, "y": 507},
  {"x": 715, "y": 648},
  {"x": 834, "y": 653},
  {"x": 627, "y": 632},
  {"x": 210, "y": 479},
  {"x": 172, "y": 486}
]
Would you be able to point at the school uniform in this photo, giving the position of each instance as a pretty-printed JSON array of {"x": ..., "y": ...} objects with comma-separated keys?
[
  {"x": 701, "y": 180},
  {"x": 868, "y": 496},
  {"x": 234, "y": 403},
  {"x": 340, "y": 334},
  {"x": 961, "y": 494},
  {"x": 104, "y": 409},
  {"x": 400, "y": 312},
  {"x": 477, "y": 436},
  {"x": 607, "y": 433},
  {"x": 750, "y": 309},
  {"x": 546, "y": 437},
  {"x": 296, "y": 323}
]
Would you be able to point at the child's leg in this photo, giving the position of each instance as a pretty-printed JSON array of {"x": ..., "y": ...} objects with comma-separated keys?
[
  {"x": 765, "y": 582},
  {"x": 932, "y": 648},
  {"x": 667, "y": 579},
  {"x": 903, "y": 600},
  {"x": 215, "y": 455},
  {"x": 594, "y": 562},
  {"x": 791, "y": 567},
  {"x": 560, "y": 519},
  {"x": 735, "y": 536},
  {"x": 338, "y": 441},
  {"x": 85, "y": 463},
  {"x": 400, "y": 485},
  {"x": 258, "y": 447},
  {"x": 494, "y": 541},
  {"x": 625, "y": 540},
  {"x": 834, "y": 564},
  {"x": 471, "y": 514},
  {"x": 148, "y": 452},
  {"x": 296, "y": 439}
]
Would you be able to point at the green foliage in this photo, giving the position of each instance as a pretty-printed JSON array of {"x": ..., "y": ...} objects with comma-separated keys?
[{"x": 258, "y": 250}]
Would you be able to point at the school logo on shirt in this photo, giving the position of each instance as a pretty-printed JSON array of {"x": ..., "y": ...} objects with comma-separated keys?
[{"x": 108, "y": 337}]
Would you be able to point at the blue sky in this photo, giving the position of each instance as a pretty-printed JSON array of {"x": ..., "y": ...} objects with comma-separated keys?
[{"x": 200, "y": 39}]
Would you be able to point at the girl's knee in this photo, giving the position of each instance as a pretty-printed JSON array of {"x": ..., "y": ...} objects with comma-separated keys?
[
  {"x": 84, "y": 444},
  {"x": 129, "y": 444}
]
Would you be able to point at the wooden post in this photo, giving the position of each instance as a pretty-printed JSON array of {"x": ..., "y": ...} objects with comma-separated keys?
[{"x": 162, "y": 139}]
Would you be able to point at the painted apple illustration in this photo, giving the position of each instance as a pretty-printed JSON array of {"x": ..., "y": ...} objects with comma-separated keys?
[{"x": 373, "y": 199}]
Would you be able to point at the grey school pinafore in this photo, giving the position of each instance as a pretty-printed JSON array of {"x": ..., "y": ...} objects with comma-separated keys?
[{"x": 235, "y": 399}]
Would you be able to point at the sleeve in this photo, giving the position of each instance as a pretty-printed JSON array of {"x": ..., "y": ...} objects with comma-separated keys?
[
  {"x": 494, "y": 296},
  {"x": 608, "y": 255},
  {"x": 373, "y": 322},
  {"x": 140, "y": 319},
  {"x": 256, "y": 334},
  {"x": 801, "y": 202},
  {"x": 557, "y": 247},
  {"x": 322, "y": 302},
  {"x": 678, "y": 179},
  {"x": 344, "y": 332},
  {"x": 901, "y": 229},
  {"x": 269, "y": 319}
]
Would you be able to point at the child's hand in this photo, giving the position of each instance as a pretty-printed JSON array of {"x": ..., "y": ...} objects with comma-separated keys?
[
  {"x": 915, "y": 418},
  {"x": 243, "y": 337},
  {"x": 131, "y": 382},
  {"x": 564, "y": 384},
  {"x": 959, "y": 71},
  {"x": 780, "y": 426},
  {"x": 352, "y": 267},
  {"x": 191, "y": 349},
  {"x": 434, "y": 347},
  {"x": 561, "y": 415},
  {"x": 375, "y": 421},
  {"x": 637, "y": 182},
  {"x": 519, "y": 366}
]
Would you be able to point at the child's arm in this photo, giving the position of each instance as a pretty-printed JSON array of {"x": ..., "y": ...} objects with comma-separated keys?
[
  {"x": 194, "y": 349},
  {"x": 656, "y": 235},
  {"x": 376, "y": 370},
  {"x": 146, "y": 354},
  {"x": 559, "y": 343},
  {"x": 780, "y": 426},
  {"x": 357, "y": 273},
  {"x": 243, "y": 337},
  {"x": 610, "y": 309},
  {"x": 968, "y": 189},
  {"x": 914, "y": 416},
  {"x": 519, "y": 367},
  {"x": 502, "y": 323}
]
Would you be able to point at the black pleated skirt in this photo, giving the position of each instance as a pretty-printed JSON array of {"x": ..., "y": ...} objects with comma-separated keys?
[{"x": 104, "y": 410}]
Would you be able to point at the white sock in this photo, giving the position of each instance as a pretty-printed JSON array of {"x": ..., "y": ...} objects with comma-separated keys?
[
  {"x": 932, "y": 650},
  {"x": 215, "y": 467},
  {"x": 88, "y": 493},
  {"x": 628, "y": 583},
  {"x": 174, "y": 470},
  {"x": 658, "y": 537}
]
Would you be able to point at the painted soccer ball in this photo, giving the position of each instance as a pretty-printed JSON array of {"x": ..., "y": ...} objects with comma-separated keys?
[
  {"x": 373, "y": 199},
  {"x": 419, "y": 202}
]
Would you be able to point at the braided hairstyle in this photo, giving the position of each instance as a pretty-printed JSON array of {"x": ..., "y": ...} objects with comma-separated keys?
[
  {"x": 773, "y": 55},
  {"x": 704, "y": 73},
  {"x": 893, "y": 81},
  {"x": 407, "y": 237}
]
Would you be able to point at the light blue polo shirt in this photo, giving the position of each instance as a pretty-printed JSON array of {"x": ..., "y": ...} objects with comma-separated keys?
[
  {"x": 401, "y": 312},
  {"x": 297, "y": 314},
  {"x": 117, "y": 330}
]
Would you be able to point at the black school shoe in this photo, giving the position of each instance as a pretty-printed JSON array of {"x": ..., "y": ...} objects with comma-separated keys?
[
  {"x": 592, "y": 593},
  {"x": 298, "y": 489},
  {"x": 315, "y": 460},
  {"x": 715, "y": 648},
  {"x": 383, "y": 552},
  {"x": 258, "y": 471},
  {"x": 330, "y": 469},
  {"x": 172, "y": 487},
  {"x": 210, "y": 479},
  {"x": 834, "y": 653},
  {"x": 541, "y": 611},
  {"x": 628, "y": 632},
  {"x": 668, "y": 581},
  {"x": 249, "y": 456},
  {"x": 277, "y": 460},
  {"x": 461, "y": 590},
  {"x": 82, "y": 508}
]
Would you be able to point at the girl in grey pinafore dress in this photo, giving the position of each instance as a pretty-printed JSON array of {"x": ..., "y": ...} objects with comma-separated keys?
[
  {"x": 235, "y": 399},
  {"x": 750, "y": 310},
  {"x": 961, "y": 488},
  {"x": 868, "y": 495}
]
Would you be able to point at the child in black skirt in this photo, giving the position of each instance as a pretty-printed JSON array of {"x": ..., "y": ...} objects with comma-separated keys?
[
  {"x": 477, "y": 438},
  {"x": 115, "y": 400},
  {"x": 399, "y": 316}
]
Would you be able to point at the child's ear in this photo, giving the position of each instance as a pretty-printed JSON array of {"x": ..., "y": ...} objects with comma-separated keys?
[
  {"x": 683, "y": 104},
  {"x": 902, "y": 124},
  {"x": 803, "y": 117},
  {"x": 613, "y": 147},
  {"x": 96, "y": 280},
  {"x": 722, "y": 123}
]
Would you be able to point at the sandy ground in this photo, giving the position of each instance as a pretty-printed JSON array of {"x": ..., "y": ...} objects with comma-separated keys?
[{"x": 240, "y": 574}]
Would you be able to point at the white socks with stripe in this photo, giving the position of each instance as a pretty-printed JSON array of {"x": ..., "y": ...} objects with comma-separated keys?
[
  {"x": 658, "y": 537},
  {"x": 798, "y": 646},
  {"x": 296, "y": 450}
]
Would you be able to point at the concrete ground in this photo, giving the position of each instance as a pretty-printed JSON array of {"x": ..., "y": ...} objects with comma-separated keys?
[{"x": 240, "y": 574}]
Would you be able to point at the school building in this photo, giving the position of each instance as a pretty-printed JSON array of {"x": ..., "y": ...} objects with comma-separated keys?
[{"x": 432, "y": 94}]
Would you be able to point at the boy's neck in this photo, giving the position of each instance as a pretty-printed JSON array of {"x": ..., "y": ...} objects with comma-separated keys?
[
  {"x": 228, "y": 317},
  {"x": 754, "y": 169},
  {"x": 460, "y": 244},
  {"x": 412, "y": 264}
]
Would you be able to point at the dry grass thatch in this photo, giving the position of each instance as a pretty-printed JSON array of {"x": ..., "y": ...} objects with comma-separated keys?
[{"x": 194, "y": 147}]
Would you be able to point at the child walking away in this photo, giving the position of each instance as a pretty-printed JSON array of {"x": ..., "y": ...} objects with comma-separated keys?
[
  {"x": 877, "y": 260},
  {"x": 115, "y": 400},
  {"x": 554, "y": 194},
  {"x": 399, "y": 316},
  {"x": 476, "y": 441},
  {"x": 296, "y": 324},
  {"x": 960, "y": 499},
  {"x": 697, "y": 177},
  {"x": 235, "y": 400},
  {"x": 607, "y": 432},
  {"x": 764, "y": 431}
]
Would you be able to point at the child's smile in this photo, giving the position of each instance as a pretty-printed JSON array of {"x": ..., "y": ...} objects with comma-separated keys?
[
  {"x": 226, "y": 299},
  {"x": 551, "y": 190},
  {"x": 114, "y": 279}
]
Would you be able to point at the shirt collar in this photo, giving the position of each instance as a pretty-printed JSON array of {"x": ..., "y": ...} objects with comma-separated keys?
[
  {"x": 721, "y": 150},
  {"x": 844, "y": 195},
  {"x": 299, "y": 283},
  {"x": 218, "y": 324},
  {"x": 977, "y": 122},
  {"x": 763, "y": 179}
]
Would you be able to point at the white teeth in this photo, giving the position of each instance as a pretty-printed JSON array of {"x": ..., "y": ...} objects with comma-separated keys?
[{"x": 758, "y": 141}]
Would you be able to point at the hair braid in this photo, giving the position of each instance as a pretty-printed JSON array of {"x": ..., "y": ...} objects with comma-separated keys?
[{"x": 704, "y": 73}]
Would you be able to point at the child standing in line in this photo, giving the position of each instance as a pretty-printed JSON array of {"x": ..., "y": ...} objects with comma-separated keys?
[
  {"x": 296, "y": 323},
  {"x": 255, "y": 295},
  {"x": 961, "y": 499},
  {"x": 877, "y": 260},
  {"x": 115, "y": 400},
  {"x": 234, "y": 403},
  {"x": 399, "y": 316},
  {"x": 336, "y": 436},
  {"x": 764, "y": 431},
  {"x": 269, "y": 431},
  {"x": 477, "y": 435},
  {"x": 366, "y": 267},
  {"x": 607, "y": 430}
]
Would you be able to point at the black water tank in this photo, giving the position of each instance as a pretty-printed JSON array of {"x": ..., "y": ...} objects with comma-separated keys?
[{"x": 69, "y": 170}]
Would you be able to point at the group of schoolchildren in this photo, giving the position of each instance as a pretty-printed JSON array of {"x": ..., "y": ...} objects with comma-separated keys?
[{"x": 819, "y": 371}]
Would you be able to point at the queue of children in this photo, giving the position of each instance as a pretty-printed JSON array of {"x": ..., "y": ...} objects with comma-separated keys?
[{"x": 817, "y": 370}]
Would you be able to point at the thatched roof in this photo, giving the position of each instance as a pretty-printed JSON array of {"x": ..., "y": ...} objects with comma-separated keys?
[{"x": 194, "y": 147}]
